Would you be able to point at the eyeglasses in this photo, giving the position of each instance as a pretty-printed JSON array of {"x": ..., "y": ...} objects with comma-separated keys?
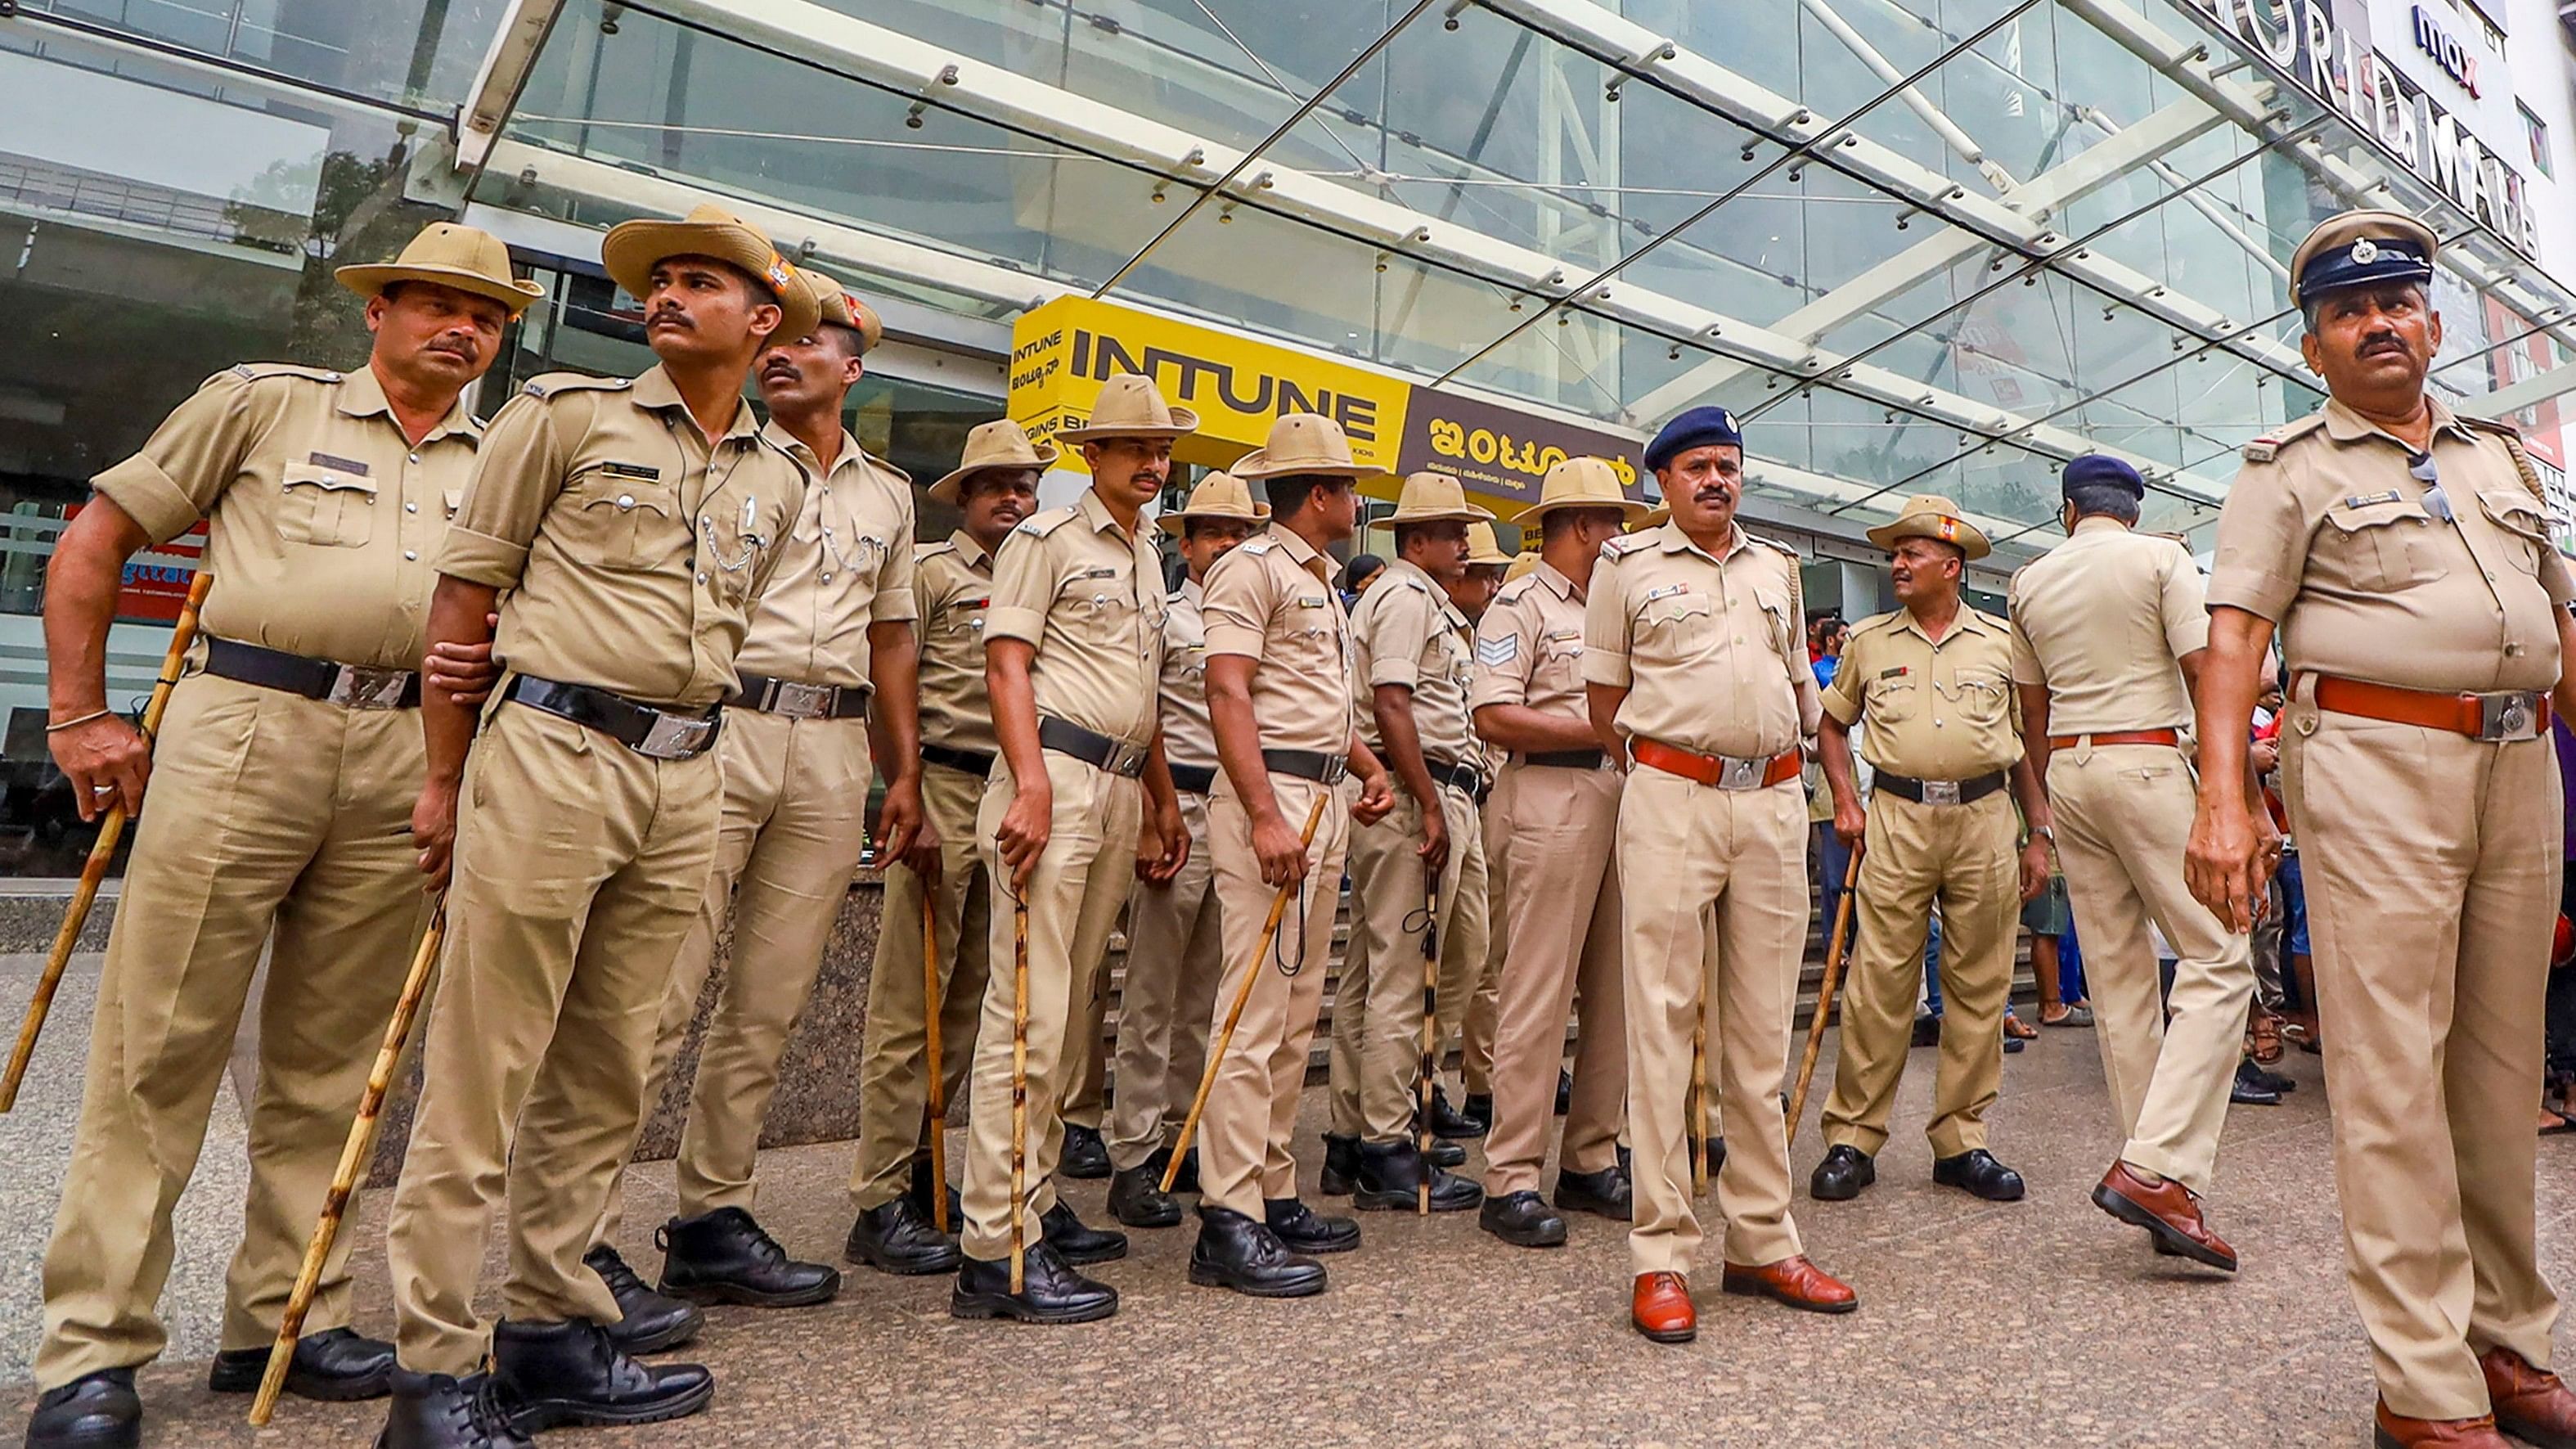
[{"x": 2436, "y": 502}]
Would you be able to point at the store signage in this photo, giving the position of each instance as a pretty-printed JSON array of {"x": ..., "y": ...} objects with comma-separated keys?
[
  {"x": 2456, "y": 60},
  {"x": 1062, "y": 352}
]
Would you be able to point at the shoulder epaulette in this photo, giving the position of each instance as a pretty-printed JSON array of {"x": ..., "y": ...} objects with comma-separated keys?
[
  {"x": 2513, "y": 444},
  {"x": 1513, "y": 591},
  {"x": 1410, "y": 582},
  {"x": 901, "y": 478},
  {"x": 921, "y": 551},
  {"x": 2264, "y": 449},
  {"x": 1999, "y": 624},
  {"x": 1774, "y": 543},
  {"x": 548, "y": 384},
  {"x": 257, "y": 371},
  {"x": 1256, "y": 547},
  {"x": 1878, "y": 621},
  {"x": 1039, "y": 525},
  {"x": 1626, "y": 544}
]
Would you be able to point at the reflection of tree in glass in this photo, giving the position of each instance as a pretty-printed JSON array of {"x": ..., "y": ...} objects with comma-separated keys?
[{"x": 357, "y": 212}]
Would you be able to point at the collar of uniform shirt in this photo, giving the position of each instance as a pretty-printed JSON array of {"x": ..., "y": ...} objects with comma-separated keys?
[
  {"x": 1970, "y": 617},
  {"x": 1407, "y": 568},
  {"x": 655, "y": 390},
  {"x": 2346, "y": 426},
  {"x": 1300, "y": 552},
  {"x": 1557, "y": 583},
  {"x": 1675, "y": 541},
  {"x": 972, "y": 552},
  {"x": 1191, "y": 589},
  {"x": 362, "y": 395},
  {"x": 1096, "y": 513},
  {"x": 789, "y": 443}
]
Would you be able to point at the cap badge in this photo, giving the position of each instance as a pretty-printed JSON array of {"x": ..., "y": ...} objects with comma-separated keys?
[
  {"x": 1950, "y": 530},
  {"x": 2364, "y": 252}
]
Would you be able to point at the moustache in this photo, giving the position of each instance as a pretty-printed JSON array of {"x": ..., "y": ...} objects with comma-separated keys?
[{"x": 671, "y": 315}]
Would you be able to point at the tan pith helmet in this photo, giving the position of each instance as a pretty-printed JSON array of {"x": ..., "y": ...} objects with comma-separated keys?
[
  {"x": 1000, "y": 443},
  {"x": 449, "y": 254},
  {"x": 631, "y": 249}
]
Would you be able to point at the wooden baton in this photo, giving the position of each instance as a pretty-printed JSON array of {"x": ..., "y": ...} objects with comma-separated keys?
[{"x": 1825, "y": 990}]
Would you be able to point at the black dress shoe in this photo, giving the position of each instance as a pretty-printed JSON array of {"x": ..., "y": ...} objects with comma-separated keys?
[
  {"x": 919, "y": 1192},
  {"x": 1605, "y": 1194},
  {"x": 1841, "y": 1176},
  {"x": 573, "y": 1373},
  {"x": 1188, "y": 1180},
  {"x": 1522, "y": 1219},
  {"x": 897, "y": 1237},
  {"x": 1927, "y": 1030},
  {"x": 1479, "y": 1109},
  {"x": 1979, "y": 1173},
  {"x": 1564, "y": 1091},
  {"x": 1085, "y": 1157},
  {"x": 1447, "y": 1121},
  {"x": 335, "y": 1366},
  {"x": 433, "y": 1411},
  {"x": 1304, "y": 1230},
  {"x": 1445, "y": 1153},
  {"x": 1391, "y": 1171},
  {"x": 649, "y": 1322},
  {"x": 2249, "y": 1089},
  {"x": 1235, "y": 1252},
  {"x": 95, "y": 1411},
  {"x": 1081, "y": 1246},
  {"x": 1136, "y": 1196},
  {"x": 1051, "y": 1291},
  {"x": 2255, "y": 1073},
  {"x": 726, "y": 1257},
  {"x": 1341, "y": 1165}
]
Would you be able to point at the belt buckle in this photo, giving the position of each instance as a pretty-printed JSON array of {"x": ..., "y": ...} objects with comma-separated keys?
[
  {"x": 2512, "y": 714},
  {"x": 358, "y": 687},
  {"x": 1337, "y": 768},
  {"x": 1735, "y": 774},
  {"x": 1127, "y": 760},
  {"x": 675, "y": 737},
  {"x": 804, "y": 701},
  {"x": 1940, "y": 792}
]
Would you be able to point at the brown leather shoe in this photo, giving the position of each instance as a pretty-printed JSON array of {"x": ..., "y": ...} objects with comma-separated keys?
[
  {"x": 1793, "y": 1281},
  {"x": 2396, "y": 1432},
  {"x": 1661, "y": 1308},
  {"x": 2169, "y": 1213},
  {"x": 2530, "y": 1403}
]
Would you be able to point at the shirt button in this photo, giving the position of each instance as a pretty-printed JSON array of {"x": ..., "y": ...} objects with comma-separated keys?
[
  {"x": 411, "y": 555},
  {"x": 411, "y": 508},
  {"x": 827, "y": 578},
  {"x": 702, "y": 520},
  {"x": 702, "y": 578},
  {"x": 625, "y": 501},
  {"x": 415, "y": 457}
]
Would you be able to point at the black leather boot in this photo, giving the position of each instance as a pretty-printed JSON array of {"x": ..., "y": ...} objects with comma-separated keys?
[
  {"x": 336, "y": 1366},
  {"x": 1235, "y": 1252},
  {"x": 1564, "y": 1091},
  {"x": 1303, "y": 1230},
  {"x": 1051, "y": 1292},
  {"x": 1341, "y": 1165},
  {"x": 1446, "y": 1121},
  {"x": 573, "y": 1373},
  {"x": 1605, "y": 1194},
  {"x": 1136, "y": 1196},
  {"x": 650, "y": 1322},
  {"x": 1977, "y": 1172},
  {"x": 920, "y": 1195},
  {"x": 433, "y": 1411},
  {"x": 726, "y": 1257},
  {"x": 1188, "y": 1181},
  {"x": 897, "y": 1237},
  {"x": 1716, "y": 1149},
  {"x": 1445, "y": 1153},
  {"x": 1479, "y": 1109},
  {"x": 1390, "y": 1171},
  {"x": 1081, "y": 1246},
  {"x": 95, "y": 1411},
  {"x": 1841, "y": 1176},
  {"x": 1522, "y": 1219},
  {"x": 1085, "y": 1156}
]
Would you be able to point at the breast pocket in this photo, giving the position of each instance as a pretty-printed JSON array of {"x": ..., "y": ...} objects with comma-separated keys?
[
  {"x": 2521, "y": 520},
  {"x": 1102, "y": 611},
  {"x": 1984, "y": 695},
  {"x": 1892, "y": 698},
  {"x": 2384, "y": 545},
  {"x": 325, "y": 506},
  {"x": 1674, "y": 627},
  {"x": 622, "y": 522}
]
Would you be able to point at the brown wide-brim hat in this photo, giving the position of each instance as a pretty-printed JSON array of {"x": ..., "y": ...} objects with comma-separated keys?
[
  {"x": 1303, "y": 443},
  {"x": 1582, "y": 483},
  {"x": 1929, "y": 515},
  {"x": 1219, "y": 495},
  {"x": 1430, "y": 497},
  {"x": 631, "y": 248},
  {"x": 1483, "y": 547},
  {"x": 1130, "y": 406},
  {"x": 448, "y": 254},
  {"x": 840, "y": 306},
  {"x": 997, "y": 444}
]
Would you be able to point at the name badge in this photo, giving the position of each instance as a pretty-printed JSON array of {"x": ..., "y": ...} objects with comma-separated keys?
[
  {"x": 1666, "y": 592},
  {"x": 632, "y": 470},
  {"x": 1899, "y": 672},
  {"x": 1310, "y": 603},
  {"x": 2365, "y": 500},
  {"x": 350, "y": 466}
]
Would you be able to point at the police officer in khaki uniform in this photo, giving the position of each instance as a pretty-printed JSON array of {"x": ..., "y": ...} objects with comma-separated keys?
[
  {"x": 634, "y": 525},
  {"x": 1412, "y": 654},
  {"x": 1174, "y": 938},
  {"x": 1553, "y": 820},
  {"x": 2108, "y": 633},
  {"x": 1697, "y": 682},
  {"x": 1933, "y": 682},
  {"x": 996, "y": 485},
  {"x": 287, "y": 764},
  {"x": 2404, "y": 555},
  {"x": 1471, "y": 957},
  {"x": 827, "y": 664},
  {"x": 1073, "y": 651},
  {"x": 1279, "y": 685}
]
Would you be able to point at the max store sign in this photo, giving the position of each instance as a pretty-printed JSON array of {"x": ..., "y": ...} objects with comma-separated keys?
[{"x": 2299, "y": 37}]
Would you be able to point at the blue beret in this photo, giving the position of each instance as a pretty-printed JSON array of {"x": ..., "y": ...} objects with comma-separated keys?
[
  {"x": 2101, "y": 468},
  {"x": 1697, "y": 428}
]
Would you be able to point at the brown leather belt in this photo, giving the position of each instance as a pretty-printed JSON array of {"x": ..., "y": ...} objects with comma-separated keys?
[
  {"x": 1723, "y": 771},
  {"x": 2117, "y": 737},
  {"x": 2506, "y": 714}
]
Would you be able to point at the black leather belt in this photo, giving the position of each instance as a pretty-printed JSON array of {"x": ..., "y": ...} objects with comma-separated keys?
[
  {"x": 1940, "y": 792},
  {"x": 1194, "y": 779},
  {"x": 1091, "y": 747},
  {"x": 797, "y": 700},
  {"x": 661, "y": 732},
  {"x": 1564, "y": 759},
  {"x": 1459, "y": 775},
  {"x": 1315, "y": 765},
  {"x": 978, "y": 763},
  {"x": 352, "y": 685}
]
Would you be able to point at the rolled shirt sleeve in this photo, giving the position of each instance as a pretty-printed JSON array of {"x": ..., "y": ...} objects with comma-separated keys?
[
  {"x": 1235, "y": 607},
  {"x": 1605, "y": 627},
  {"x": 2025, "y": 660},
  {"x": 896, "y": 601},
  {"x": 1399, "y": 629},
  {"x": 1024, "y": 579},
  {"x": 2263, "y": 531},
  {"x": 1506, "y": 651},
  {"x": 2185, "y": 604},
  {"x": 1842, "y": 698},
  {"x": 517, "y": 473},
  {"x": 188, "y": 461}
]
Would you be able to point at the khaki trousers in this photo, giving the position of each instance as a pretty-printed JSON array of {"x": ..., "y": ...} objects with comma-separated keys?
[
  {"x": 794, "y": 824},
  {"x": 580, "y": 868},
  {"x": 1175, "y": 954},
  {"x": 1557, "y": 830},
  {"x": 2123, "y": 816},
  {"x": 1251, "y": 1115},
  {"x": 894, "y": 1085},
  {"x": 1086, "y": 1082},
  {"x": 1960, "y": 857},
  {"x": 1376, "y": 1060},
  {"x": 1471, "y": 963},
  {"x": 2432, "y": 871},
  {"x": 270, "y": 817},
  {"x": 1073, "y": 898},
  {"x": 1683, "y": 845}
]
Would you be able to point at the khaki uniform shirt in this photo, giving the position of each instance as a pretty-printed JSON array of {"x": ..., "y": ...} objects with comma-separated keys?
[
  {"x": 2101, "y": 619},
  {"x": 847, "y": 564},
  {"x": 1269, "y": 599},
  {"x": 1405, "y": 631},
  {"x": 1709, "y": 647},
  {"x": 954, "y": 582},
  {"x": 2327, "y": 535},
  {"x": 1089, "y": 596},
  {"x": 1188, "y": 736},
  {"x": 326, "y": 520},
  {"x": 1941, "y": 711},
  {"x": 1529, "y": 647},
  {"x": 631, "y": 547}
]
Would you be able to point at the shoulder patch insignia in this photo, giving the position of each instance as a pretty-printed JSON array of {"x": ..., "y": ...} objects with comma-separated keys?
[
  {"x": 1256, "y": 546},
  {"x": 2262, "y": 450},
  {"x": 1496, "y": 652},
  {"x": 255, "y": 371},
  {"x": 1626, "y": 544},
  {"x": 1417, "y": 585},
  {"x": 922, "y": 551},
  {"x": 555, "y": 382},
  {"x": 1039, "y": 525},
  {"x": 1773, "y": 543},
  {"x": 2268, "y": 447}
]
